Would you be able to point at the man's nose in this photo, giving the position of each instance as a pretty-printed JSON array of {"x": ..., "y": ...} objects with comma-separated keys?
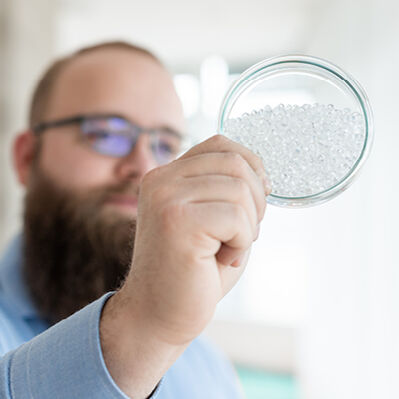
[{"x": 138, "y": 162}]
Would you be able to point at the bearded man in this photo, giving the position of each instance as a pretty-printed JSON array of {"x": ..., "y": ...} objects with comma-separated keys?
[{"x": 125, "y": 249}]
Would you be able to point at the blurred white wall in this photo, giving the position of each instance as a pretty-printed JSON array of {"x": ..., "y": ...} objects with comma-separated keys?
[
  {"x": 329, "y": 272},
  {"x": 26, "y": 46},
  {"x": 350, "y": 341}
]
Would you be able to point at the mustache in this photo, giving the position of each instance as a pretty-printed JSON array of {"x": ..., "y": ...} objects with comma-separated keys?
[{"x": 125, "y": 188}]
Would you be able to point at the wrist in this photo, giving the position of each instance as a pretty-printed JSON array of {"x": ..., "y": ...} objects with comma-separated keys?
[{"x": 134, "y": 355}]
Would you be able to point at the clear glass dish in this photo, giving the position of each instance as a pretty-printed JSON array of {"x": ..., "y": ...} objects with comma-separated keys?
[{"x": 308, "y": 120}]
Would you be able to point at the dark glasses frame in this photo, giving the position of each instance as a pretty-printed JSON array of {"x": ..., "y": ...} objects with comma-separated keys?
[
  {"x": 132, "y": 129},
  {"x": 77, "y": 119}
]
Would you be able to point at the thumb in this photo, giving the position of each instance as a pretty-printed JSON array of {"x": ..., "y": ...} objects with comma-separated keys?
[{"x": 230, "y": 256}]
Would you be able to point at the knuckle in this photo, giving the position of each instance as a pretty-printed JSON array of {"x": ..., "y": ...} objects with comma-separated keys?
[
  {"x": 243, "y": 226},
  {"x": 263, "y": 203},
  {"x": 219, "y": 139},
  {"x": 242, "y": 187},
  {"x": 239, "y": 213},
  {"x": 237, "y": 162},
  {"x": 262, "y": 210},
  {"x": 150, "y": 176},
  {"x": 237, "y": 158},
  {"x": 258, "y": 163}
]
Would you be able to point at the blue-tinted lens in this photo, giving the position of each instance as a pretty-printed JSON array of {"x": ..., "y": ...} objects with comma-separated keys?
[
  {"x": 165, "y": 146},
  {"x": 112, "y": 144},
  {"x": 116, "y": 137},
  {"x": 109, "y": 136}
]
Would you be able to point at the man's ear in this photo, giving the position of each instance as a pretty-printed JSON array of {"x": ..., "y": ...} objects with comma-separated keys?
[{"x": 23, "y": 155}]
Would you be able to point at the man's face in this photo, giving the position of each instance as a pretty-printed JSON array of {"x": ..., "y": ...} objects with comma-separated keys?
[
  {"x": 108, "y": 81},
  {"x": 81, "y": 206}
]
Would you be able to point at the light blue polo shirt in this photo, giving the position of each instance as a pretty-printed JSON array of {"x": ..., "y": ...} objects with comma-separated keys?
[{"x": 65, "y": 360}]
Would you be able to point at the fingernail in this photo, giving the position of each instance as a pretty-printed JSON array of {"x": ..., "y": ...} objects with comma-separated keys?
[
  {"x": 236, "y": 262},
  {"x": 265, "y": 180},
  {"x": 267, "y": 185}
]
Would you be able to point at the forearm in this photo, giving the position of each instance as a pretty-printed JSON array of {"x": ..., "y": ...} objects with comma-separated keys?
[
  {"x": 135, "y": 357},
  {"x": 197, "y": 217},
  {"x": 63, "y": 362}
]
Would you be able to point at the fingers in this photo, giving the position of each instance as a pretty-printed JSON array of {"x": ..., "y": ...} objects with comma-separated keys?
[
  {"x": 229, "y": 256},
  {"x": 225, "y": 222},
  {"x": 219, "y": 143},
  {"x": 228, "y": 164},
  {"x": 221, "y": 188}
]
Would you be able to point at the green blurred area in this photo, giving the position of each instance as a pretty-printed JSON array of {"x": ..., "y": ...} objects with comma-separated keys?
[{"x": 260, "y": 384}]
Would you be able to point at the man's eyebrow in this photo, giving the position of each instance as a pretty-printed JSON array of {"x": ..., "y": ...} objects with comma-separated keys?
[
  {"x": 172, "y": 131},
  {"x": 166, "y": 128}
]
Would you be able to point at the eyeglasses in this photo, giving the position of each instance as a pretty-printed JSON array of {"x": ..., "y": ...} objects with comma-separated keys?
[{"x": 116, "y": 136}]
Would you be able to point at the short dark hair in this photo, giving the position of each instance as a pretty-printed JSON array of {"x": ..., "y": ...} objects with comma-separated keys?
[{"x": 42, "y": 91}]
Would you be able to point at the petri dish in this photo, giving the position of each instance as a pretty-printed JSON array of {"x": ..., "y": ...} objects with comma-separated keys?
[{"x": 308, "y": 120}]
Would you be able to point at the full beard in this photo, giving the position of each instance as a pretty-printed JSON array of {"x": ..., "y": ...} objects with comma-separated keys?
[{"x": 74, "y": 252}]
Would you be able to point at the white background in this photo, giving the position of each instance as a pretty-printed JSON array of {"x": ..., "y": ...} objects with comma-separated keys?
[{"x": 328, "y": 273}]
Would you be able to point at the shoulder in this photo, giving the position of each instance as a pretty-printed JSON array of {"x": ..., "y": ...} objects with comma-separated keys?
[{"x": 10, "y": 333}]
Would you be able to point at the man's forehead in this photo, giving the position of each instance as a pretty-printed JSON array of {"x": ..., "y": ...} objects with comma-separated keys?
[
  {"x": 108, "y": 56},
  {"x": 116, "y": 80},
  {"x": 109, "y": 63}
]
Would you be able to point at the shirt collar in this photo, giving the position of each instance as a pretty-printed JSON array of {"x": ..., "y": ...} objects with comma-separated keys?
[{"x": 12, "y": 285}]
